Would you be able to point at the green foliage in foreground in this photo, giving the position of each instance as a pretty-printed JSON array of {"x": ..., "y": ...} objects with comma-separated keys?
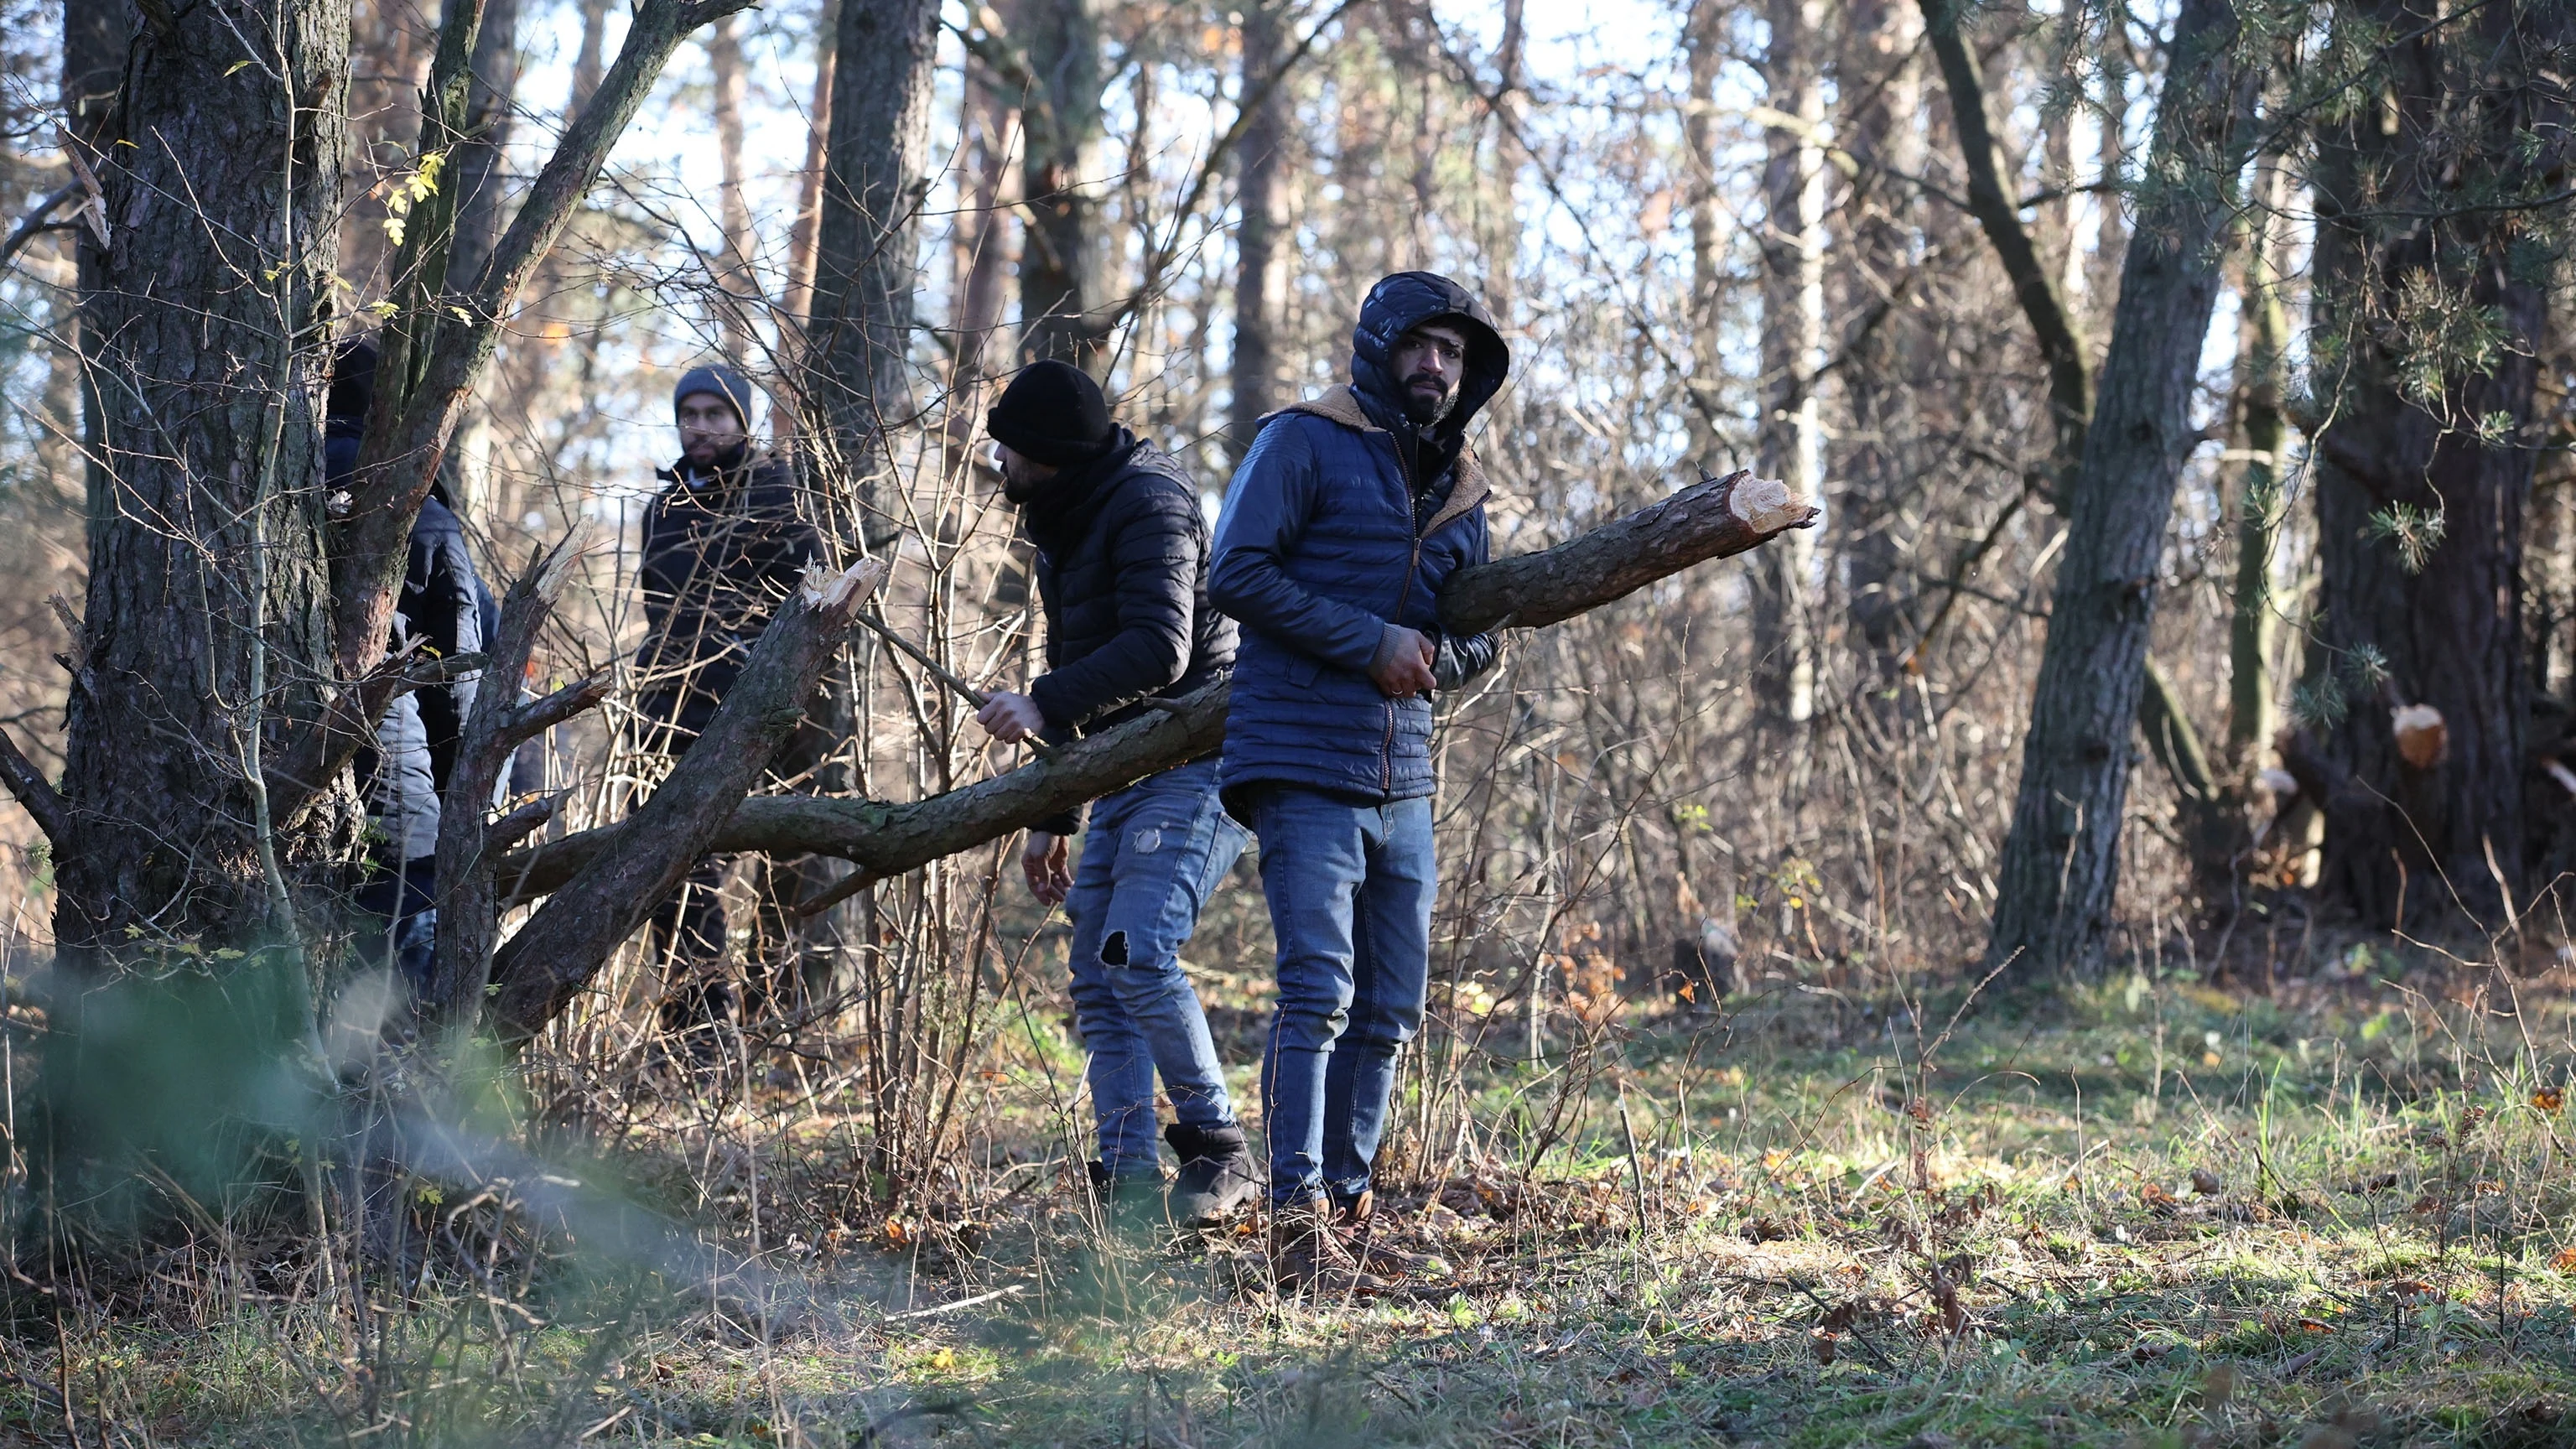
[{"x": 2155, "y": 1214}]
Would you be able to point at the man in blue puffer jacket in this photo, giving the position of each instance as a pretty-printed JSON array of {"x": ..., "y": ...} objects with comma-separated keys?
[{"x": 1348, "y": 515}]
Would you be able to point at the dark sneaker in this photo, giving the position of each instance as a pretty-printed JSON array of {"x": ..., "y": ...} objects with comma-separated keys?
[
  {"x": 1309, "y": 1254},
  {"x": 1218, "y": 1174}
]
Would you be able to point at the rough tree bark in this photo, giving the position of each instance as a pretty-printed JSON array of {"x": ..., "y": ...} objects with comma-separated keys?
[
  {"x": 206, "y": 605},
  {"x": 1063, "y": 282},
  {"x": 857, "y": 384},
  {"x": 1715, "y": 519},
  {"x": 2425, "y": 202},
  {"x": 2058, "y": 871},
  {"x": 1255, "y": 373}
]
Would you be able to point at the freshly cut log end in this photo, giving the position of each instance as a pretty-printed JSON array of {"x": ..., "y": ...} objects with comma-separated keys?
[
  {"x": 1767, "y": 506},
  {"x": 845, "y": 590},
  {"x": 2422, "y": 738}
]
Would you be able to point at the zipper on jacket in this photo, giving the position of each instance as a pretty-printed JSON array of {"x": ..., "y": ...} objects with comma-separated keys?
[{"x": 1413, "y": 512}]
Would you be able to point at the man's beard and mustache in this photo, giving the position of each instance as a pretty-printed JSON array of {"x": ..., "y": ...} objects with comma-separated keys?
[
  {"x": 1423, "y": 409},
  {"x": 1019, "y": 485}
]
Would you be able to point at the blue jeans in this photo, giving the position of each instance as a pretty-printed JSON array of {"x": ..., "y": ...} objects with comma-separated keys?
[
  {"x": 1150, "y": 856},
  {"x": 1350, "y": 888}
]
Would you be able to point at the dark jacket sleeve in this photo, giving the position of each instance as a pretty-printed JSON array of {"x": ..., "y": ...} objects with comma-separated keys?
[
  {"x": 1267, "y": 507},
  {"x": 1154, "y": 551},
  {"x": 1459, "y": 658}
]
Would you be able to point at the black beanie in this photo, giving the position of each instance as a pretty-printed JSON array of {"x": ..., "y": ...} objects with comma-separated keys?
[{"x": 1053, "y": 413}]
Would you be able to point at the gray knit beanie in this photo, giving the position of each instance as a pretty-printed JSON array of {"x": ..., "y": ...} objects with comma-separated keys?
[{"x": 721, "y": 379}]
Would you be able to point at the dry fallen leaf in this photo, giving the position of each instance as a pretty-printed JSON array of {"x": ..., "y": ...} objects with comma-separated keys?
[{"x": 2549, "y": 1099}]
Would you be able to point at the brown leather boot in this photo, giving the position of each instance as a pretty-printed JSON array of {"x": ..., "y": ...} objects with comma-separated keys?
[
  {"x": 1357, "y": 1218},
  {"x": 1308, "y": 1252}
]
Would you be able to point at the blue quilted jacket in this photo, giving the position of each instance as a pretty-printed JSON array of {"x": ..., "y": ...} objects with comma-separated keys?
[{"x": 1326, "y": 538}]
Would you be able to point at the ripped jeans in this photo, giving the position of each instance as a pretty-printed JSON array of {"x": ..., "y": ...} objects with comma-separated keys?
[{"x": 1151, "y": 854}]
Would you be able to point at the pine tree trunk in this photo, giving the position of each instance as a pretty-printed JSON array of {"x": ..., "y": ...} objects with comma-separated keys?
[
  {"x": 2059, "y": 865},
  {"x": 1063, "y": 289},
  {"x": 865, "y": 258},
  {"x": 1793, "y": 334},
  {"x": 734, "y": 276},
  {"x": 1883, "y": 128},
  {"x": 207, "y": 627},
  {"x": 2421, "y": 477},
  {"x": 1255, "y": 377}
]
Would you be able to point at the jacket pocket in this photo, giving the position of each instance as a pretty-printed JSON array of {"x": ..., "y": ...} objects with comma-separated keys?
[{"x": 1304, "y": 672}]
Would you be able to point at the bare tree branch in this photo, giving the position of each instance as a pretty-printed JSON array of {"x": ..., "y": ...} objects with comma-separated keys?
[{"x": 30, "y": 788}]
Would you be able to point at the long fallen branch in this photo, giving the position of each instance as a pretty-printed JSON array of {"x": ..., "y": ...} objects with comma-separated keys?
[
  {"x": 571, "y": 936},
  {"x": 1716, "y": 518}
]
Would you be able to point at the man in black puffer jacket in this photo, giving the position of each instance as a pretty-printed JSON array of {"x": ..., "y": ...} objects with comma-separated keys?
[
  {"x": 1122, "y": 572},
  {"x": 723, "y": 543}
]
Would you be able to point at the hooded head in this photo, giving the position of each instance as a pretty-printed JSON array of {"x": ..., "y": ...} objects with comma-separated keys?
[{"x": 1404, "y": 301}]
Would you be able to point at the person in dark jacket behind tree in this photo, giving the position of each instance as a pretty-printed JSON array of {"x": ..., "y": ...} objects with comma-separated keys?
[
  {"x": 723, "y": 543},
  {"x": 1346, "y": 517},
  {"x": 438, "y": 609},
  {"x": 1122, "y": 573}
]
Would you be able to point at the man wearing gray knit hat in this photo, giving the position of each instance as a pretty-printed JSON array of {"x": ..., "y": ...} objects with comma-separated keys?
[{"x": 723, "y": 543}]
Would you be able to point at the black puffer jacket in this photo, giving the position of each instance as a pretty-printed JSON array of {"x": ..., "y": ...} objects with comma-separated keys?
[
  {"x": 1122, "y": 571},
  {"x": 721, "y": 550}
]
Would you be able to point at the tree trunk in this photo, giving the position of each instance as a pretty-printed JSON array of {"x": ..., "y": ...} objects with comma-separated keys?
[
  {"x": 1063, "y": 281},
  {"x": 1882, "y": 127},
  {"x": 2422, "y": 475},
  {"x": 1792, "y": 348},
  {"x": 809, "y": 190},
  {"x": 207, "y": 629},
  {"x": 858, "y": 382},
  {"x": 2263, "y": 344},
  {"x": 735, "y": 281},
  {"x": 984, "y": 237},
  {"x": 1258, "y": 280},
  {"x": 488, "y": 111},
  {"x": 1704, "y": 38},
  {"x": 2058, "y": 868}
]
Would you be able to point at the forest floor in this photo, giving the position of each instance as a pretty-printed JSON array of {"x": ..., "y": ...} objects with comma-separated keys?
[{"x": 2145, "y": 1212}]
